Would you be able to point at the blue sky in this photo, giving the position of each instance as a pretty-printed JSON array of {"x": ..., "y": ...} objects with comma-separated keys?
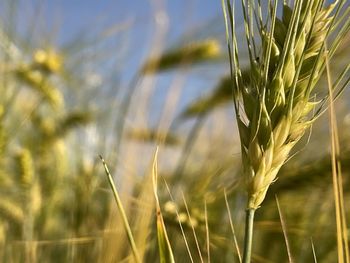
[{"x": 70, "y": 17}]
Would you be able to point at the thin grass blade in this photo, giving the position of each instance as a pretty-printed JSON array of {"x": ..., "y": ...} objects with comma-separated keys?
[
  {"x": 284, "y": 229},
  {"x": 192, "y": 227},
  {"x": 122, "y": 212},
  {"x": 207, "y": 231},
  {"x": 180, "y": 224},
  {"x": 232, "y": 228},
  {"x": 165, "y": 251},
  {"x": 313, "y": 250},
  {"x": 342, "y": 236}
]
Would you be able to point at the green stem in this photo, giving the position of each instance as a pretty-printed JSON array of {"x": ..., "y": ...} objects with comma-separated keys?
[
  {"x": 123, "y": 213},
  {"x": 248, "y": 236}
]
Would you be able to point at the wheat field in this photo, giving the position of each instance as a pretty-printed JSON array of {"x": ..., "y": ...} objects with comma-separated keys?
[{"x": 132, "y": 142}]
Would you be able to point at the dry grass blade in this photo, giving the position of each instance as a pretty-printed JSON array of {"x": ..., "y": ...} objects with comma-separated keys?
[
  {"x": 313, "y": 250},
  {"x": 342, "y": 235},
  {"x": 165, "y": 250},
  {"x": 180, "y": 224},
  {"x": 207, "y": 230},
  {"x": 232, "y": 228},
  {"x": 192, "y": 227},
  {"x": 143, "y": 218},
  {"x": 284, "y": 229},
  {"x": 122, "y": 212}
]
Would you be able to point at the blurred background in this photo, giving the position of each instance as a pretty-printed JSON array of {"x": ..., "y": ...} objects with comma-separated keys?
[{"x": 118, "y": 78}]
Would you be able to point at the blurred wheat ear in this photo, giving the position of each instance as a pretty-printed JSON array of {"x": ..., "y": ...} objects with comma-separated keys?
[
  {"x": 152, "y": 135},
  {"x": 279, "y": 104},
  {"x": 222, "y": 94},
  {"x": 36, "y": 75},
  {"x": 193, "y": 53}
]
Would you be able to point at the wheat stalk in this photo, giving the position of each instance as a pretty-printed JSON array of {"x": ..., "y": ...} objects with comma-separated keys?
[{"x": 277, "y": 107}]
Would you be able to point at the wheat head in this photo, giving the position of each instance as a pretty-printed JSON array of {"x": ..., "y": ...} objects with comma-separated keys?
[{"x": 276, "y": 108}]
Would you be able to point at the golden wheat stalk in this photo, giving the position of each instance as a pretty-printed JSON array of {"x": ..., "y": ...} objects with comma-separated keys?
[{"x": 276, "y": 108}]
